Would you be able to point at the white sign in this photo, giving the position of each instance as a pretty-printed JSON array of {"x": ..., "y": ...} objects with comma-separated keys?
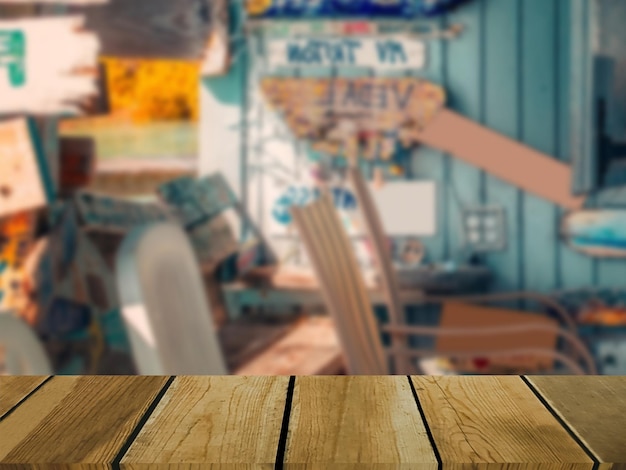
[
  {"x": 384, "y": 52},
  {"x": 47, "y": 66},
  {"x": 392, "y": 200}
]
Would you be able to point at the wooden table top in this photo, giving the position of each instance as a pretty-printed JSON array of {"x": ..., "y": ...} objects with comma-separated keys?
[{"x": 356, "y": 422}]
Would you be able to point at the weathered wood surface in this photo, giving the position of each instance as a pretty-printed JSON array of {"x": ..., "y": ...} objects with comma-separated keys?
[
  {"x": 77, "y": 420},
  {"x": 151, "y": 28},
  {"x": 315, "y": 422},
  {"x": 373, "y": 420},
  {"x": 494, "y": 420},
  {"x": 592, "y": 406},
  {"x": 213, "y": 420},
  {"x": 15, "y": 389}
]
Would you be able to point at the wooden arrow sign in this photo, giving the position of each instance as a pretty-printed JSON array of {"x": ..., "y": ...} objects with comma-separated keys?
[
  {"x": 46, "y": 66},
  {"x": 372, "y": 117}
]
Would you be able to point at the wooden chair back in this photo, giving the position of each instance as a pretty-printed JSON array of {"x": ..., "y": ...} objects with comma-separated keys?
[{"x": 343, "y": 287}]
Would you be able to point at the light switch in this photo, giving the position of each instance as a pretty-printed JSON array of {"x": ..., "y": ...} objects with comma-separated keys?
[{"x": 484, "y": 228}]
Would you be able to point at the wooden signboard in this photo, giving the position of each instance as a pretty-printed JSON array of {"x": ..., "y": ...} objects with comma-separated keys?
[
  {"x": 78, "y": 162},
  {"x": 153, "y": 29},
  {"x": 25, "y": 182},
  {"x": 383, "y": 53},
  {"x": 373, "y": 117},
  {"x": 352, "y": 117},
  {"x": 46, "y": 65},
  {"x": 598, "y": 233},
  {"x": 105, "y": 214}
]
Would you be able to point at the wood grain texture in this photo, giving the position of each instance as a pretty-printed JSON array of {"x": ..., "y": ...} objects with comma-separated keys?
[
  {"x": 13, "y": 389},
  {"x": 494, "y": 420},
  {"x": 595, "y": 409},
  {"x": 213, "y": 421},
  {"x": 373, "y": 421},
  {"x": 77, "y": 420},
  {"x": 383, "y": 261},
  {"x": 343, "y": 286}
]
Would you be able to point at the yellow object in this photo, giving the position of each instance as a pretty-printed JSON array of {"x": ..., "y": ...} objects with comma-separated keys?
[
  {"x": 153, "y": 90},
  {"x": 257, "y": 7}
]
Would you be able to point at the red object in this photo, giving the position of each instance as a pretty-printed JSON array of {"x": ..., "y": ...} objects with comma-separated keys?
[
  {"x": 357, "y": 28},
  {"x": 77, "y": 163},
  {"x": 481, "y": 363}
]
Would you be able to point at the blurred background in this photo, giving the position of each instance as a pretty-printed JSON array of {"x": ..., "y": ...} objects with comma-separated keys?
[{"x": 483, "y": 232}]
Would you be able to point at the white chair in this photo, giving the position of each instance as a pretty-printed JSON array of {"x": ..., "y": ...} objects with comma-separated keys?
[
  {"x": 164, "y": 305},
  {"x": 23, "y": 352}
]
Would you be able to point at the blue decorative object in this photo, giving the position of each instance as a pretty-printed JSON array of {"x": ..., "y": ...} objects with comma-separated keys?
[{"x": 349, "y": 8}]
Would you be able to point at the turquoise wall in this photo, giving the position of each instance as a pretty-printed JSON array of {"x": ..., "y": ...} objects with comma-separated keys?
[{"x": 510, "y": 71}]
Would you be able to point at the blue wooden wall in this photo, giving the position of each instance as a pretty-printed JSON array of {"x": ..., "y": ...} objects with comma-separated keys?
[{"x": 510, "y": 71}]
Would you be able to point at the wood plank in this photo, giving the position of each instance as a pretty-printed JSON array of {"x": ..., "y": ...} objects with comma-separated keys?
[
  {"x": 373, "y": 421},
  {"x": 343, "y": 286},
  {"x": 538, "y": 119},
  {"x": 13, "y": 389},
  {"x": 594, "y": 407},
  {"x": 213, "y": 420},
  {"x": 312, "y": 348},
  {"x": 78, "y": 420},
  {"x": 484, "y": 148},
  {"x": 494, "y": 420}
]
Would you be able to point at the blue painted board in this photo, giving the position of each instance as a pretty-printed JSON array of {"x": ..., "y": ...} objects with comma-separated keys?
[
  {"x": 538, "y": 123},
  {"x": 464, "y": 77},
  {"x": 502, "y": 106}
]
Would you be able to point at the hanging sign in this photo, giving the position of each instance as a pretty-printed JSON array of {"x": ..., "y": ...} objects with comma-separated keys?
[
  {"x": 381, "y": 53},
  {"x": 375, "y": 117},
  {"x": 25, "y": 182},
  {"x": 46, "y": 65},
  {"x": 367, "y": 117}
]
